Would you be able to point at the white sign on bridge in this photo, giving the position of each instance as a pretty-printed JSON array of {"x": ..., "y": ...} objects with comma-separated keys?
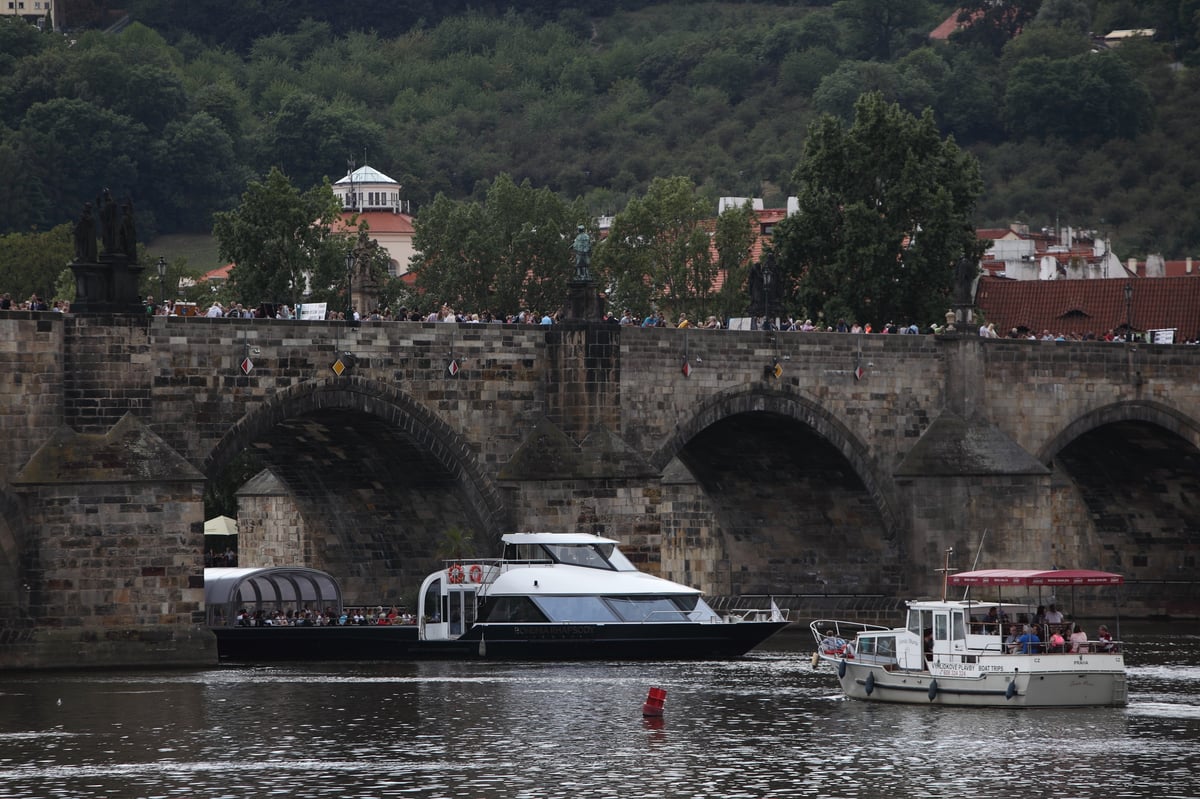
[{"x": 313, "y": 311}]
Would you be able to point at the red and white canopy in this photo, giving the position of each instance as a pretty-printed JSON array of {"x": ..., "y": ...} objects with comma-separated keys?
[{"x": 1035, "y": 577}]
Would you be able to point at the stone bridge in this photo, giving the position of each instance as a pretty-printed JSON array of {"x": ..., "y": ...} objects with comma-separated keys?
[{"x": 822, "y": 469}]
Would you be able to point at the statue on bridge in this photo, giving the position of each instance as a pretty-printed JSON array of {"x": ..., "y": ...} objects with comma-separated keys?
[
  {"x": 106, "y": 281},
  {"x": 582, "y": 247},
  {"x": 966, "y": 278},
  {"x": 85, "y": 237}
]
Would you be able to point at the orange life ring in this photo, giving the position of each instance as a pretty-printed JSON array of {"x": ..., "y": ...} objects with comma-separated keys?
[
  {"x": 455, "y": 574},
  {"x": 476, "y": 573}
]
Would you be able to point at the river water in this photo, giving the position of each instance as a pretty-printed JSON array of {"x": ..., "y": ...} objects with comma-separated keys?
[{"x": 766, "y": 725}]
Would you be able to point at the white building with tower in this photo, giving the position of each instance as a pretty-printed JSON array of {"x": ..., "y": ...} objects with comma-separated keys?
[{"x": 374, "y": 198}]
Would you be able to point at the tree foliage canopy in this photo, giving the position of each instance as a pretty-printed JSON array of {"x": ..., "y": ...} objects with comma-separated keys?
[
  {"x": 282, "y": 240},
  {"x": 885, "y": 212},
  {"x": 510, "y": 251},
  {"x": 594, "y": 101},
  {"x": 657, "y": 253}
]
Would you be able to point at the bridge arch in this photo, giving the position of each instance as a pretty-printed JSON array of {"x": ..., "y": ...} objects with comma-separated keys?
[
  {"x": 793, "y": 406},
  {"x": 385, "y": 402},
  {"x": 360, "y": 480},
  {"x": 1150, "y": 412},
  {"x": 774, "y": 495},
  {"x": 1125, "y": 478}
]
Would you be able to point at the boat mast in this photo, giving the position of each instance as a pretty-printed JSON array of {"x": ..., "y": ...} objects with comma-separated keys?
[{"x": 945, "y": 570}]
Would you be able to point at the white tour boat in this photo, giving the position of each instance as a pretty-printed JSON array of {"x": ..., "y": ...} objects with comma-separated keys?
[
  {"x": 559, "y": 596},
  {"x": 967, "y": 652}
]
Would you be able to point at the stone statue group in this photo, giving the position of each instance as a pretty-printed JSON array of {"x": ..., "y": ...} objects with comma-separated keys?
[{"x": 116, "y": 228}]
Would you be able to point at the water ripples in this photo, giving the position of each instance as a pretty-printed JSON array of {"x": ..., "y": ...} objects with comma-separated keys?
[{"x": 763, "y": 727}]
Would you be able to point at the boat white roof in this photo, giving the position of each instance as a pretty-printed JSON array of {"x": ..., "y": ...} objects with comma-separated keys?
[
  {"x": 555, "y": 538},
  {"x": 563, "y": 580}
]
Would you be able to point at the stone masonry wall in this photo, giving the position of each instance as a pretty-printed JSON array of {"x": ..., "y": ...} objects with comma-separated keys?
[
  {"x": 31, "y": 352},
  {"x": 114, "y": 578}
]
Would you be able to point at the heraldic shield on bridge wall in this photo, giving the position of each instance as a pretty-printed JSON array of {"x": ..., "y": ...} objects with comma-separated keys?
[{"x": 106, "y": 281}]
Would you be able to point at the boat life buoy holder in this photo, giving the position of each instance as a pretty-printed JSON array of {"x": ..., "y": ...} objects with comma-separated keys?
[
  {"x": 476, "y": 573},
  {"x": 455, "y": 574}
]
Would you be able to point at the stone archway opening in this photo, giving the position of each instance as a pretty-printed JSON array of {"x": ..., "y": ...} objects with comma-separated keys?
[
  {"x": 764, "y": 504},
  {"x": 354, "y": 494},
  {"x": 1138, "y": 485}
]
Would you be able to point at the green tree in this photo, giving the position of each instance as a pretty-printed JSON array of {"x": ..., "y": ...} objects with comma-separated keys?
[
  {"x": 875, "y": 29},
  {"x": 657, "y": 253},
  {"x": 886, "y": 211},
  {"x": 509, "y": 252},
  {"x": 991, "y": 24},
  {"x": 282, "y": 240},
  {"x": 31, "y": 263},
  {"x": 1093, "y": 95},
  {"x": 195, "y": 156},
  {"x": 734, "y": 240}
]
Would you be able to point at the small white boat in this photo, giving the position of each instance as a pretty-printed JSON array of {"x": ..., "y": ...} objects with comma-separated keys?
[{"x": 967, "y": 652}]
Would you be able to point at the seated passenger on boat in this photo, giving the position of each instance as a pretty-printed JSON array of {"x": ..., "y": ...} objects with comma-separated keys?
[
  {"x": 832, "y": 643},
  {"x": 1079, "y": 641},
  {"x": 1011, "y": 640},
  {"x": 1105, "y": 640},
  {"x": 1028, "y": 643},
  {"x": 1057, "y": 644}
]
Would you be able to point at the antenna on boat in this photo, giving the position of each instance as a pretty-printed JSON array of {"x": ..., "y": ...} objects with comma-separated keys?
[
  {"x": 975, "y": 563},
  {"x": 945, "y": 570}
]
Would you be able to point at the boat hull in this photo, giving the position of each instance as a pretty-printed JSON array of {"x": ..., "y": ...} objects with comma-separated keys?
[
  {"x": 497, "y": 642},
  {"x": 1053, "y": 688}
]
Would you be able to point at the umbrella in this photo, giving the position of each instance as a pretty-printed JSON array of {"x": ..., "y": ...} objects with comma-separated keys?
[{"x": 221, "y": 525}]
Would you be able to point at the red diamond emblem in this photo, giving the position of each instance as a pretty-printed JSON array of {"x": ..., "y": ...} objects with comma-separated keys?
[
  {"x": 687, "y": 368},
  {"x": 452, "y": 368},
  {"x": 858, "y": 373},
  {"x": 247, "y": 365}
]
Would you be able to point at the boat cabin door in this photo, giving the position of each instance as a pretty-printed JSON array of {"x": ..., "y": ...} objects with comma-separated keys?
[
  {"x": 446, "y": 610},
  {"x": 949, "y": 632}
]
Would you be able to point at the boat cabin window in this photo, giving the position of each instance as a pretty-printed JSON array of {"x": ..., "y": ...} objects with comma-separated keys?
[
  {"x": 575, "y": 608},
  {"x": 511, "y": 609},
  {"x": 592, "y": 556},
  {"x": 648, "y": 608},
  {"x": 432, "y": 604},
  {"x": 919, "y": 620},
  {"x": 941, "y": 626},
  {"x": 960, "y": 627},
  {"x": 883, "y": 646}
]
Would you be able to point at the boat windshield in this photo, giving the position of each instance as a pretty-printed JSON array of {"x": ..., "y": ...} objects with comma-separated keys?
[
  {"x": 615, "y": 608},
  {"x": 593, "y": 556}
]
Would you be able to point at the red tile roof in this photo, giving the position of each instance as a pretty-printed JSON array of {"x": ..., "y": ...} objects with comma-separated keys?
[
  {"x": 220, "y": 273},
  {"x": 379, "y": 221},
  {"x": 1180, "y": 268},
  {"x": 1091, "y": 306}
]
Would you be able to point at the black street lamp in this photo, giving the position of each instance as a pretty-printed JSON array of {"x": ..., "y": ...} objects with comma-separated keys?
[
  {"x": 349, "y": 282},
  {"x": 162, "y": 279},
  {"x": 1128, "y": 311}
]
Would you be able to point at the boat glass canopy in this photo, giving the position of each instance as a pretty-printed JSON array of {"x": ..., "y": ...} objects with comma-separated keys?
[{"x": 227, "y": 591}]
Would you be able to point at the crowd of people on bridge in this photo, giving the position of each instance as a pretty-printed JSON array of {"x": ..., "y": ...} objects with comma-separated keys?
[{"x": 627, "y": 318}]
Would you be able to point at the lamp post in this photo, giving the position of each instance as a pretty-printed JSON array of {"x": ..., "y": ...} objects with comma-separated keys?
[
  {"x": 349, "y": 282},
  {"x": 162, "y": 279},
  {"x": 1128, "y": 311}
]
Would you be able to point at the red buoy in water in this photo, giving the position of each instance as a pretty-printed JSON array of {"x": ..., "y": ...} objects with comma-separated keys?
[{"x": 654, "y": 702}]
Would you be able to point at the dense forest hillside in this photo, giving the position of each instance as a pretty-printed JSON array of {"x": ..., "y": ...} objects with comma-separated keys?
[{"x": 180, "y": 109}]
